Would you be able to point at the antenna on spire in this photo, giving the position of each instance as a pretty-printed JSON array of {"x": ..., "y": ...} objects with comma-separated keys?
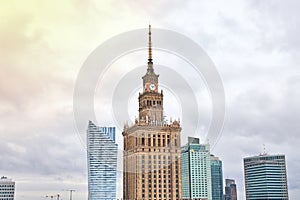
[
  {"x": 149, "y": 46},
  {"x": 264, "y": 146}
]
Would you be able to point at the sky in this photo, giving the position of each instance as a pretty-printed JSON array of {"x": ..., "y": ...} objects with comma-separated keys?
[{"x": 43, "y": 45}]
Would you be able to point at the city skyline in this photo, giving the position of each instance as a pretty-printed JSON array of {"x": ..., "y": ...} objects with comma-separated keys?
[{"x": 254, "y": 46}]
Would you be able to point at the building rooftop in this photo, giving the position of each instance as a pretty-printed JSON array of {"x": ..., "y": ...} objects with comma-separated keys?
[{"x": 4, "y": 179}]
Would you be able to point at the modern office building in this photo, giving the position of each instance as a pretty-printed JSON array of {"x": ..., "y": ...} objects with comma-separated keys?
[
  {"x": 230, "y": 190},
  {"x": 102, "y": 162},
  {"x": 7, "y": 188},
  {"x": 216, "y": 178},
  {"x": 265, "y": 177},
  {"x": 151, "y": 160},
  {"x": 196, "y": 171}
]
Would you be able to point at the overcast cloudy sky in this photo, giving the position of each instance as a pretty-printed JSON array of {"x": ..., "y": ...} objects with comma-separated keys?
[{"x": 43, "y": 44}]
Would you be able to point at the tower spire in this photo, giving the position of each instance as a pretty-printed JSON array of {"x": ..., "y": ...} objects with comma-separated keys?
[{"x": 149, "y": 46}]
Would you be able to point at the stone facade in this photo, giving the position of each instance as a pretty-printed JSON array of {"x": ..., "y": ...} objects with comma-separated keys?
[{"x": 151, "y": 147}]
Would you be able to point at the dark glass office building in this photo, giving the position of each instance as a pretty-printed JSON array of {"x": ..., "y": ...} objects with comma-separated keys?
[
  {"x": 216, "y": 178},
  {"x": 230, "y": 190}
]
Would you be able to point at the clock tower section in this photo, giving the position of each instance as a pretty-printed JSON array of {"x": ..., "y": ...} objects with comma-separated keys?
[{"x": 150, "y": 101}]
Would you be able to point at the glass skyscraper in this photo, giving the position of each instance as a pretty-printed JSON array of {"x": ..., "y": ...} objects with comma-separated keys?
[
  {"x": 102, "y": 162},
  {"x": 230, "y": 190},
  {"x": 196, "y": 170},
  {"x": 265, "y": 177},
  {"x": 216, "y": 178}
]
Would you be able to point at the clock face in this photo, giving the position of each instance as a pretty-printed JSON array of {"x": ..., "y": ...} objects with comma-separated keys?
[{"x": 152, "y": 87}]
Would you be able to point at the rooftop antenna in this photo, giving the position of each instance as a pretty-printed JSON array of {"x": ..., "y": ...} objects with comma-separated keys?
[{"x": 264, "y": 146}]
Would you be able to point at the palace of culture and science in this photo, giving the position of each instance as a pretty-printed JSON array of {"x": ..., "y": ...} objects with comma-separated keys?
[{"x": 152, "y": 168}]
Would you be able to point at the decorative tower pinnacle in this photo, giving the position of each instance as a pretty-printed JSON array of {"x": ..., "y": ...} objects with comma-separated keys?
[
  {"x": 149, "y": 46},
  {"x": 150, "y": 69}
]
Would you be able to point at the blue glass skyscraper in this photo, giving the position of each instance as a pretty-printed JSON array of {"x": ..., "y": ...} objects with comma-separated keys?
[
  {"x": 216, "y": 178},
  {"x": 265, "y": 177},
  {"x": 102, "y": 162}
]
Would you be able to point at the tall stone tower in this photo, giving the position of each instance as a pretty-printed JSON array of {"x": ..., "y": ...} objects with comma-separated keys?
[{"x": 151, "y": 146}]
